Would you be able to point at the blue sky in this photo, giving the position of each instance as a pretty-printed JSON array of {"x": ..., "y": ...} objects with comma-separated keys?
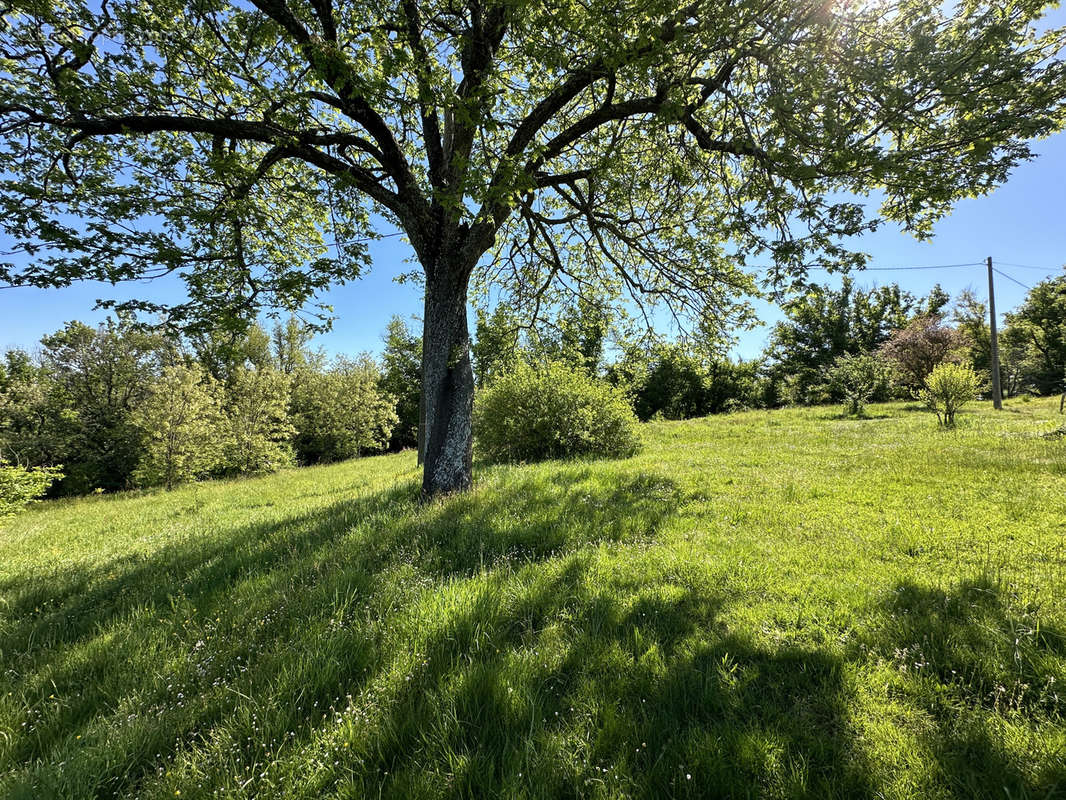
[{"x": 1022, "y": 223}]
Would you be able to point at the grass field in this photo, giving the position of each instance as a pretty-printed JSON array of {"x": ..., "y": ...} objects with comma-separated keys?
[{"x": 764, "y": 604}]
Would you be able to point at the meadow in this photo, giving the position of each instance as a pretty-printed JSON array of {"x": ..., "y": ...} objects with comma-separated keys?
[{"x": 773, "y": 604}]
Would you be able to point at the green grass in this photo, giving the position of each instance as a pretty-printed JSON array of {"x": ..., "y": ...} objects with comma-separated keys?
[{"x": 765, "y": 604}]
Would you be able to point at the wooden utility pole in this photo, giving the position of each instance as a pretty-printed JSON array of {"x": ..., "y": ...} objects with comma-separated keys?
[{"x": 997, "y": 392}]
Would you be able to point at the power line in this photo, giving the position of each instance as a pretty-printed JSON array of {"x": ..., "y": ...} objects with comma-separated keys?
[
  {"x": 1027, "y": 266},
  {"x": 931, "y": 266},
  {"x": 1009, "y": 278},
  {"x": 897, "y": 269},
  {"x": 943, "y": 266}
]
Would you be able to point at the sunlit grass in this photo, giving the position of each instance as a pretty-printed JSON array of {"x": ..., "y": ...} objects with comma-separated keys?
[{"x": 765, "y": 604}]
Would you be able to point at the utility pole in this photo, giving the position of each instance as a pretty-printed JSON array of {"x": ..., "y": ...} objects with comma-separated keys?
[{"x": 997, "y": 393}]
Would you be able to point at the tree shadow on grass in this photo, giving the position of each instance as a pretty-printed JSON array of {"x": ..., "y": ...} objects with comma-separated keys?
[
  {"x": 577, "y": 689},
  {"x": 479, "y": 647},
  {"x": 119, "y": 671},
  {"x": 530, "y": 519},
  {"x": 540, "y": 517},
  {"x": 974, "y": 659},
  {"x": 574, "y": 689}
]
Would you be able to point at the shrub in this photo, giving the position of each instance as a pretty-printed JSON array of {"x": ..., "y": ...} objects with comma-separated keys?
[
  {"x": 401, "y": 378},
  {"x": 20, "y": 486},
  {"x": 856, "y": 379},
  {"x": 669, "y": 381},
  {"x": 674, "y": 386},
  {"x": 735, "y": 386},
  {"x": 553, "y": 411},
  {"x": 947, "y": 389}
]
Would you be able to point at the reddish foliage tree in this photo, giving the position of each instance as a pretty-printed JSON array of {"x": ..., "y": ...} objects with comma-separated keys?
[{"x": 917, "y": 349}]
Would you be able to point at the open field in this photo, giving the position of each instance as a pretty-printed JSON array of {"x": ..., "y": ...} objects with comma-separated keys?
[{"x": 764, "y": 604}]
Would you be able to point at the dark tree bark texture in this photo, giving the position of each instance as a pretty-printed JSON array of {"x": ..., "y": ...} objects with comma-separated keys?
[{"x": 447, "y": 385}]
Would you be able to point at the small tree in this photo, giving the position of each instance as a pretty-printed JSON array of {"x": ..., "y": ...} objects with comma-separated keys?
[
  {"x": 258, "y": 425},
  {"x": 222, "y": 350},
  {"x": 971, "y": 319},
  {"x": 401, "y": 377},
  {"x": 37, "y": 420},
  {"x": 577, "y": 335},
  {"x": 857, "y": 379},
  {"x": 826, "y": 323},
  {"x": 947, "y": 389},
  {"x": 1040, "y": 323},
  {"x": 736, "y": 385},
  {"x": 674, "y": 386},
  {"x": 98, "y": 375},
  {"x": 184, "y": 428},
  {"x": 341, "y": 413},
  {"x": 1019, "y": 361},
  {"x": 20, "y": 486},
  {"x": 291, "y": 350},
  {"x": 921, "y": 346}
]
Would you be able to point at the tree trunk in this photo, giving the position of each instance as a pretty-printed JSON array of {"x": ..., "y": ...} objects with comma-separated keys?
[
  {"x": 447, "y": 383},
  {"x": 420, "y": 441}
]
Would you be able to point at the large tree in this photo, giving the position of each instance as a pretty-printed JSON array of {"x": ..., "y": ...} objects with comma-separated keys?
[
  {"x": 824, "y": 324},
  {"x": 1040, "y": 323},
  {"x": 642, "y": 144}
]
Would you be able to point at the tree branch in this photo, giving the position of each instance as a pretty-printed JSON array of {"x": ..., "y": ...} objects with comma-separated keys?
[
  {"x": 427, "y": 109},
  {"x": 286, "y": 142},
  {"x": 330, "y": 65},
  {"x": 486, "y": 35},
  {"x": 324, "y": 12}
]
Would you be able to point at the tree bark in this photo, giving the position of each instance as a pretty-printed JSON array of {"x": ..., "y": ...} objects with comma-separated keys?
[
  {"x": 420, "y": 441},
  {"x": 447, "y": 382}
]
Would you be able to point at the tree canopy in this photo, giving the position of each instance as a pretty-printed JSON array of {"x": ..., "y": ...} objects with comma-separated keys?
[
  {"x": 650, "y": 147},
  {"x": 1040, "y": 323}
]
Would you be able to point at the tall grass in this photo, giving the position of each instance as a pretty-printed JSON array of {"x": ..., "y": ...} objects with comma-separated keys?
[{"x": 765, "y": 604}]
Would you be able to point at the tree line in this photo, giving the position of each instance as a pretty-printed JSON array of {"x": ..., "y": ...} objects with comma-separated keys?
[
  {"x": 119, "y": 406},
  {"x": 910, "y": 336},
  {"x": 833, "y": 345}
]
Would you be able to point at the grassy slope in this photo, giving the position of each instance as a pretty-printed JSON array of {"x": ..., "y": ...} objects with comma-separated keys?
[{"x": 768, "y": 604}]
